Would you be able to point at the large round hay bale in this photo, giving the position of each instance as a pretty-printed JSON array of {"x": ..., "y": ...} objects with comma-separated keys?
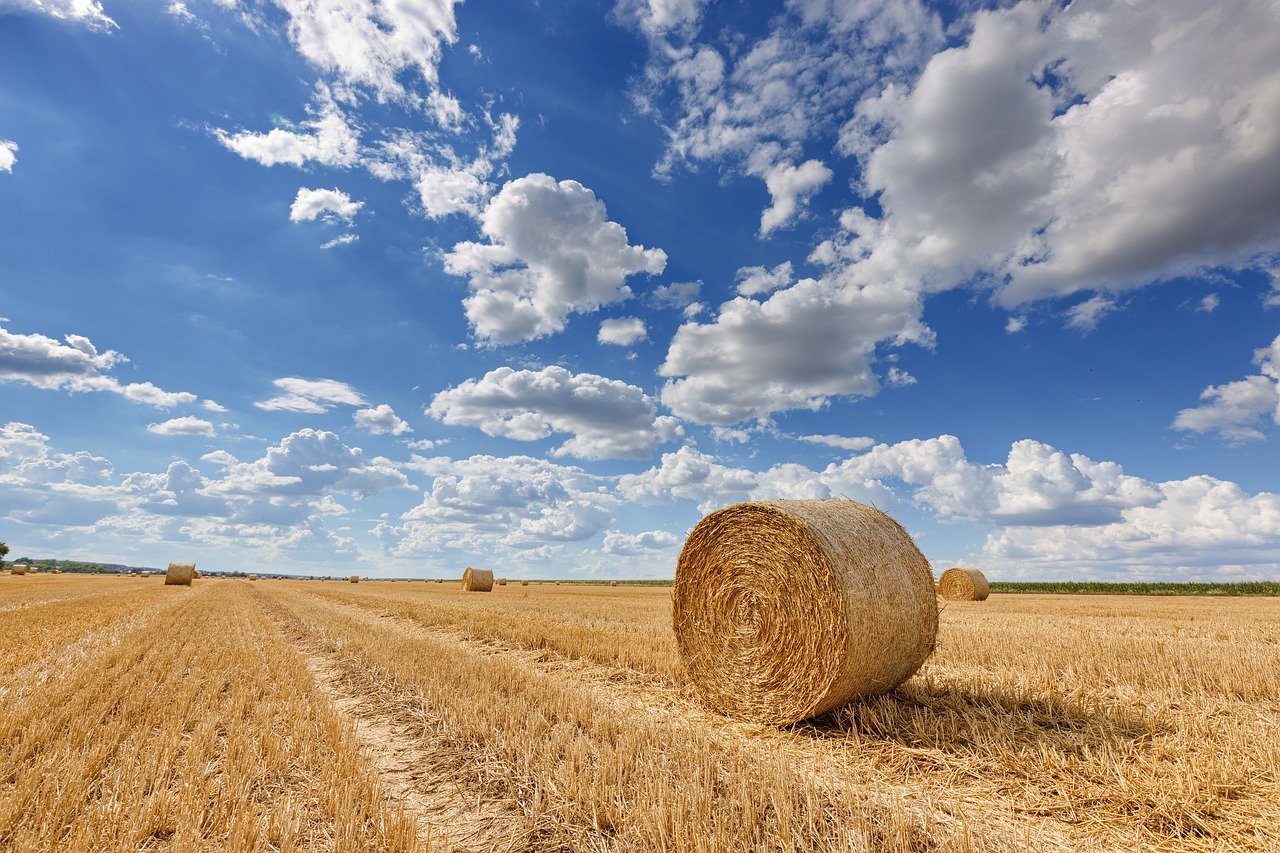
[
  {"x": 785, "y": 610},
  {"x": 195, "y": 573},
  {"x": 179, "y": 574},
  {"x": 477, "y": 580},
  {"x": 144, "y": 574},
  {"x": 961, "y": 584},
  {"x": 353, "y": 579},
  {"x": 19, "y": 569}
]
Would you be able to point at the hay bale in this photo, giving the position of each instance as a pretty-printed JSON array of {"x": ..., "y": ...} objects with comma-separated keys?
[
  {"x": 19, "y": 569},
  {"x": 179, "y": 574},
  {"x": 524, "y": 583},
  {"x": 477, "y": 580},
  {"x": 353, "y": 579},
  {"x": 501, "y": 581},
  {"x": 613, "y": 583},
  {"x": 195, "y": 573},
  {"x": 961, "y": 584},
  {"x": 144, "y": 574},
  {"x": 785, "y": 610},
  {"x": 253, "y": 577}
]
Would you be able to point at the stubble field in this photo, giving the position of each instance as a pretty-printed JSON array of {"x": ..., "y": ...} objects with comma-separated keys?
[{"x": 292, "y": 715}]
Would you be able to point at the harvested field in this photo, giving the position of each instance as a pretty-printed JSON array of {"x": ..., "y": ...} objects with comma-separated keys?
[{"x": 296, "y": 716}]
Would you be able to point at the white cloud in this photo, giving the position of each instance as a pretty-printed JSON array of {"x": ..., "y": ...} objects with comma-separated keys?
[
  {"x": 753, "y": 281},
  {"x": 689, "y": 474},
  {"x": 213, "y": 406},
  {"x": 87, "y": 12},
  {"x": 75, "y": 366},
  {"x": 371, "y": 44},
  {"x": 340, "y": 240},
  {"x": 1235, "y": 410},
  {"x": 8, "y": 155},
  {"x": 381, "y": 420},
  {"x": 896, "y": 377},
  {"x": 219, "y": 457},
  {"x": 1210, "y": 303},
  {"x": 798, "y": 348},
  {"x": 607, "y": 418},
  {"x": 621, "y": 331},
  {"x": 790, "y": 188},
  {"x": 327, "y": 138},
  {"x": 1015, "y": 325},
  {"x": 657, "y": 18},
  {"x": 631, "y": 544},
  {"x": 552, "y": 252},
  {"x": 182, "y": 426},
  {"x": 499, "y": 506},
  {"x": 1085, "y": 316},
  {"x": 1078, "y": 148},
  {"x": 326, "y": 205},
  {"x": 311, "y": 396},
  {"x": 680, "y": 294},
  {"x": 844, "y": 442}
]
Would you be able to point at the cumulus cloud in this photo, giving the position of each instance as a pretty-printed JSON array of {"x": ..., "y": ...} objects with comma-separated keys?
[
  {"x": 681, "y": 294},
  {"x": 326, "y": 138},
  {"x": 311, "y": 396},
  {"x": 1236, "y": 410},
  {"x": 844, "y": 442},
  {"x": 75, "y": 366},
  {"x": 1015, "y": 325},
  {"x": 1209, "y": 303},
  {"x": 371, "y": 45},
  {"x": 753, "y": 281},
  {"x": 551, "y": 252},
  {"x": 621, "y": 331},
  {"x": 381, "y": 420},
  {"x": 790, "y": 188},
  {"x": 795, "y": 350},
  {"x": 326, "y": 205},
  {"x": 1085, "y": 316},
  {"x": 689, "y": 474},
  {"x": 607, "y": 418},
  {"x": 87, "y": 12},
  {"x": 8, "y": 155},
  {"x": 657, "y": 18},
  {"x": 182, "y": 426},
  {"x": 632, "y": 544},
  {"x": 487, "y": 505}
]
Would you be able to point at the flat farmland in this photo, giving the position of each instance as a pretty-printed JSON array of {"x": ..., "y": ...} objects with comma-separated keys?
[{"x": 312, "y": 715}]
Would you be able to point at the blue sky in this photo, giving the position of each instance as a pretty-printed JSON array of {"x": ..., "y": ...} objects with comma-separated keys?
[{"x": 308, "y": 284}]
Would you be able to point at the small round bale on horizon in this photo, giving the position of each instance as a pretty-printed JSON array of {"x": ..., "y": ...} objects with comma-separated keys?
[
  {"x": 353, "y": 579},
  {"x": 501, "y": 581},
  {"x": 19, "y": 569},
  {"x": 477, "y": 580},
  {"x": 784, "y": 610},
  {"x": 961, "y": 584},
  {"x": 144, "y": 574}
]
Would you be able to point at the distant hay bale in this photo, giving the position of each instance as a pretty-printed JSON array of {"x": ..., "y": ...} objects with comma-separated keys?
[
  {"x": 19, "y": 569},
  {"x": 353, "y": 579},
  {"x": 785, "y": 610},
  {"x": 179, "y": 574},
  {"x": 253, "y": 577},
  {"x": 477, "y": 580},
  {"x": 144, "y": 574},
  {"x": 57, "y": 571},
  {"x": 501, "y": 581},
  {"x": 613, "y": 583},
  {"x": 961, "y": 584},
  {"x": 524, "y": 583},
  {"x": 34, "y": 570}
]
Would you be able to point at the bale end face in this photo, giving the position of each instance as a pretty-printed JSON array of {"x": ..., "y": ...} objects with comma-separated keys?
[
  {"x": 179, "y": 574},
  {"x": 785, "y": 610},
  {"x": 477, "y": 580},
  {"x": 353, "y": 579},
  {"x": 961, "y": 584}
]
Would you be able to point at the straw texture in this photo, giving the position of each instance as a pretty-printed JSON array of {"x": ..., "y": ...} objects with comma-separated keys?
[
  {"x": 354, "y": 579},
  {"x": 524, "y": 583},
  {"x": 179, "y": 574},
  {"x": 18, "y": 569},
  {"x": 477, "y": 580},
  {"x": 501, "y": 581},
  {"x": 961, "y": 584},
  {"x": 785, "y": 610},
  {"x": 145, "y": 575}
]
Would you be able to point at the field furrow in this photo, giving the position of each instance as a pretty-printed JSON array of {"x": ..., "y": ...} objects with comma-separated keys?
[{"x": 197, "y": 731}]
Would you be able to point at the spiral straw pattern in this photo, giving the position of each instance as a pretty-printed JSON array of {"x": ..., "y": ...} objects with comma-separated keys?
[
  {"x": 785, "y": 610},
  {"x": 477, "y": 580},
  {"x": 960, "y": 584}
]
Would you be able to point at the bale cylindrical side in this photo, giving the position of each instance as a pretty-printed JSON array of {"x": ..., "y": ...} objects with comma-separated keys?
[
  {"x": 145, "y": 575},
  {"x": 961, "y": 584},
  {"x": 785, "y": 610},
  {"x": 524, "y": 583},
  {"x": 613, "y": 583},
  {"x": 354, "y": 579},
  {"x": 253, "y": 577},
  {"x": 477, "y": 580},
  {"x": 179, "y": 574},
  {"x": 501, "y": 581},
  {"x": 19, "y": 569}
]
